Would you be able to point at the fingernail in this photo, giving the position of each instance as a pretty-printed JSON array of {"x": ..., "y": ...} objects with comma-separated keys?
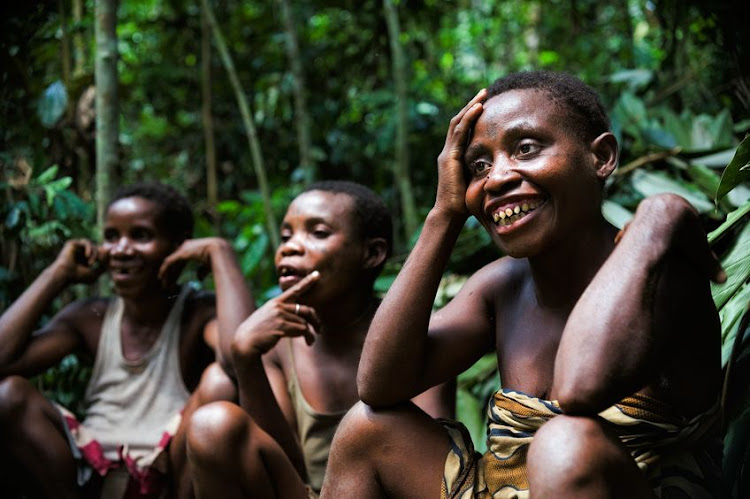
[{"x": 315, "y": 273}]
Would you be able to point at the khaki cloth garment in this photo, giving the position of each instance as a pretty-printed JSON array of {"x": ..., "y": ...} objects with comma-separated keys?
[{"x": 315, "y": 430}]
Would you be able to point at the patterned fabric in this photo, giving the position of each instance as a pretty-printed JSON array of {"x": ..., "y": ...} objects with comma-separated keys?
[
  {"x": 148, "y": 472},
  {"x": 672, "y": 452}
]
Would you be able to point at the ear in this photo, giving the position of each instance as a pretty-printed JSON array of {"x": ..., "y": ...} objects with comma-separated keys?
[
  {"x": 376, "y": 251},
  {"x": 606, "y": 153}
]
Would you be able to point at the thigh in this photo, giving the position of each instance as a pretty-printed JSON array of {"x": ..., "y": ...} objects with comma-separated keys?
[{"x": 396, "y": 452}]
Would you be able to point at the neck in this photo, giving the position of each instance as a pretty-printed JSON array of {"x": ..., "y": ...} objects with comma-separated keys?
[
  {"x": 152, "y": 309},
  {"x": 560, "y": 276},
  {"x": 348, "y": 320}
]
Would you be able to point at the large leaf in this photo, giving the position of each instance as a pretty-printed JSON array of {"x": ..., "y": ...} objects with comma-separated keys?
[
  {"x": 737, "y": 171},
  {"x": 52, "y": 105},
  {"x": 730, "y": 316},
  {"x": 733, "y": 219},
  {"x": 616, "y": 214},
  {"x": 650, "y": 183},
  {"x": 737, "y": 266}
]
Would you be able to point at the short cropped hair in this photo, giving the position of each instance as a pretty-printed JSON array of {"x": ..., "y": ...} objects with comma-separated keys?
[
  {"x": 174, "y": 217},
  {"x": 372, "y": 217},
  {"x": 587, "y": 117}
]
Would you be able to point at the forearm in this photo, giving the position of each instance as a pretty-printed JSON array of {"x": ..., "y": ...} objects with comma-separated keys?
[
  {"x": 258, "y": 400},
  {"x": 234, "y": 301},
  {"x": 22, "y": 317},
  {"x": 394, "y": 356},
  {"x": 610, "y": 341}
]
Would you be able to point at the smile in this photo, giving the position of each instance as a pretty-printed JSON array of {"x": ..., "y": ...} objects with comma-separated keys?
[{"x": 512, "y": 214}]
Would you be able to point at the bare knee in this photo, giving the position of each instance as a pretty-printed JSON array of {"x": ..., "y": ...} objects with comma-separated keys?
[
  {"x": 215, "y": 385},
  {"x": 571, "y": 456},
  {"x": 15, "y": 392},
  {"x": 216, "y": 430}
]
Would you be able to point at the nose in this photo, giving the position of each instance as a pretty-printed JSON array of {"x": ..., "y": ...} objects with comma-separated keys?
[
  {"x": 503, "y": 175},
  {"x": 121, "y": 247},
  {"x": 291, "y": 246}
]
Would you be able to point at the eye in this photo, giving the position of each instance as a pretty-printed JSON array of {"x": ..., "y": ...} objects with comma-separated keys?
[
  {"x": 527, "y": 147},
  {"x": 110, "y": 235},
  {"x": 479, "y": 167},
  {"x": 285, "y": 236},
  {"x": 140, "y": 234},
  {"x": 320, "y": 232}
]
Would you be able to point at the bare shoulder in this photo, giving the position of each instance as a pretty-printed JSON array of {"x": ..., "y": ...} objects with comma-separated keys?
[
  {"x": 499, "y": 279},
  {"x": 83, "y": 317}
]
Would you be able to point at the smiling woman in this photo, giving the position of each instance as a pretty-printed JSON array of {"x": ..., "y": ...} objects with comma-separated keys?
[{"x": 152, "y": 329}]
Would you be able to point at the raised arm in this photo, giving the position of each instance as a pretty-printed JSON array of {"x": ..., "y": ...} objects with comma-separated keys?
[
  {"x": 400, "y": 359},
  {"x": 20, "y": 353},
  {"x": 651, "y": 291},
  {"x": 234, "y": 301},
  {"x": 261, "y": 382}
]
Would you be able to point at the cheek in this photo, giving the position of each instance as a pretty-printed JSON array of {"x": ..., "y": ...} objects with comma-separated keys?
[{"x": 473, "y": 198}]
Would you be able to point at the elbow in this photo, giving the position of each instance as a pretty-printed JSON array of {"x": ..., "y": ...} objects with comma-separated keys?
[
  {"x": 372, "y": 393},
  {"x": 580, "y": 398}
]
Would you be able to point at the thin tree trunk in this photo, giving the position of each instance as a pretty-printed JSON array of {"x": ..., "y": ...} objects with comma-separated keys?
[
  {"x": 64, "y": 45},
  {"x": 107, "y": 124},
  {"x": 300, "y": 95},
  {"x": 79, "y": 52},
  {"x": 401, "y": 165},
  {"x": 208, "y": 121},
  {"x": 252, "y": 136}
]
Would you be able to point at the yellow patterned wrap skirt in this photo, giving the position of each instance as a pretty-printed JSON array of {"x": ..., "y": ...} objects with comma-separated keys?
[{"x": 672, "y": 452}]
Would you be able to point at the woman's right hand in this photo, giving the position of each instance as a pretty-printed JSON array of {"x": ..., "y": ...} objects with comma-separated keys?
[
  {"x": 451, "y": 191},
  {"x": 80, "y": 261},
  {"x": 279, "y": 317}
]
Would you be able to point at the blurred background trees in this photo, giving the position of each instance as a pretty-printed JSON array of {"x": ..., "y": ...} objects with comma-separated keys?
[{"x": 359, "y": 90}]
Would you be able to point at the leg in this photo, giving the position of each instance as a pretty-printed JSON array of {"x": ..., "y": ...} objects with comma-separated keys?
[
  {"x": 575, "y": 457},
  {"x": 32, "y": 432},
  {"x": 214, "y": 385},
  {"x": 399, "y": 452},
  {"x": 231, "y": 456}
]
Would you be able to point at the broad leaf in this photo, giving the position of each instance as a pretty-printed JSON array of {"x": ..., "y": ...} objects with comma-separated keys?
[
  {"x": 52, "y": 105},
  {"x": 737, "y": 171},
  {"x": 650, "y": 183},
  {"x": 737, "y": 266}
]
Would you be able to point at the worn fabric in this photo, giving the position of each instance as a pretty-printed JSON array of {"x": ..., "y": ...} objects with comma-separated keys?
[
  {"x": 315, "y": 430},
  {"x": 672, "y": 452},
  {"x": 132, "y": 407}
]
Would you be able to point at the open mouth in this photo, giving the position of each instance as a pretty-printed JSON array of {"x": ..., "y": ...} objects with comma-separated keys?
[
  {"x": 289, "y": 275},
  {"x": 510, "y": 214}
]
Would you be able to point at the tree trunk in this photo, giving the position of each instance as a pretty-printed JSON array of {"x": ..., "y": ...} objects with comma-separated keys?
[
  {"x": 304, "y": 142},
  {"x": 107, "y": 123},
  {"x": 79, "y": 51},
  {"x": 64, "y": 46},
  {"x": 208, "y": 121},
  {"x": 252, "y": 136},
  {"x": 401, "y": 165}
]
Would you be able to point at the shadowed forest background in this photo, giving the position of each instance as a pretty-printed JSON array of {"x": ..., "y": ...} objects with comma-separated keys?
[{"x": 239, "y": 104}]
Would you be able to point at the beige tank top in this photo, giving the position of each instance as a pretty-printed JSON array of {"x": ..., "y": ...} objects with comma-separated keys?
[
  {"x": 130, "y": 402},
  {"x": 315, "y": 430}
]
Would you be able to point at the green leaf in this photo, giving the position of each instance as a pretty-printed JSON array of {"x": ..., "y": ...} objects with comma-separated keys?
[
  {"x": 737, "y": 171},
  {"x": 730, "y": 316},
  {"x": 650, "y": 183},
  {"x": 732, "y": 219},
  {"x": 616, "y": 214},
  {"x": 52, "y": 104},
  {"x": 737, "y": 266},
  {"x": 47, "y": 175}
]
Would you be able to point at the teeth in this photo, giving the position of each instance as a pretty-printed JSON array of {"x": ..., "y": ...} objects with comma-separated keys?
[{"x": 511, "y": 215}]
